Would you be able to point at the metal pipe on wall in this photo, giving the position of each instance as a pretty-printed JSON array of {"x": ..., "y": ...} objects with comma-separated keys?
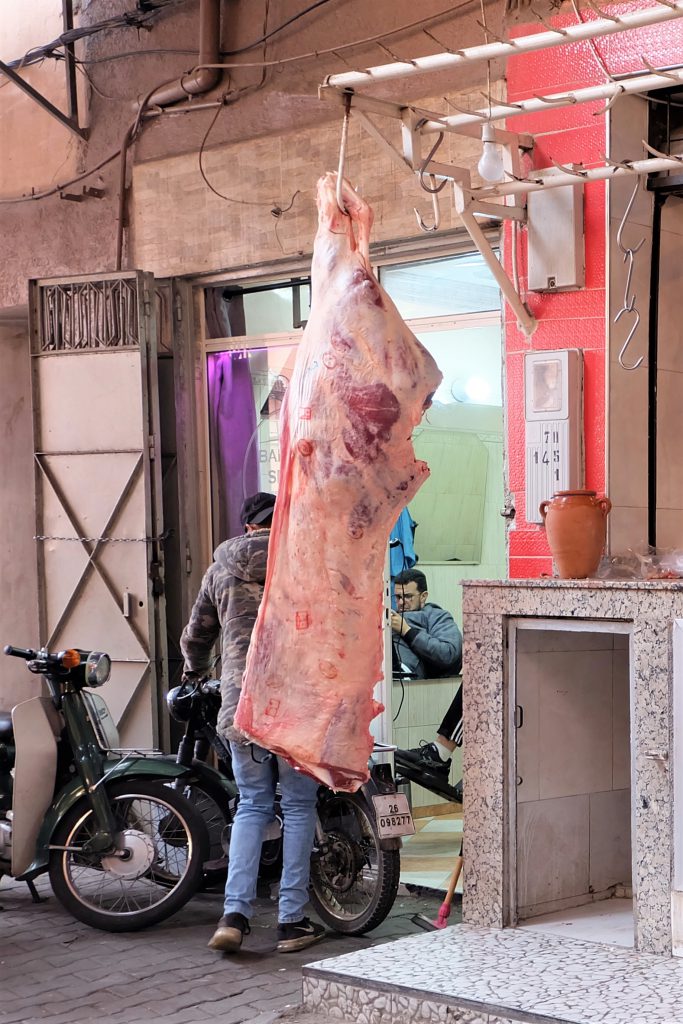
[
  {"x": 653, "y": 329},
  {"x": 204, "y": 78}
]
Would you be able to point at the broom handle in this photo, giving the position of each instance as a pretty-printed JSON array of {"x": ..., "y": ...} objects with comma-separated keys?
[{"x": 453, "y": 881}]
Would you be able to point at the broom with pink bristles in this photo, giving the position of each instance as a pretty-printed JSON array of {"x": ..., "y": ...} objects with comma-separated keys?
[{"x": 445, "y": 908}]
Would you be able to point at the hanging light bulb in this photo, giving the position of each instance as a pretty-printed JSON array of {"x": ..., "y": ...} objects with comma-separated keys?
[{"x": 490, "y": 166}]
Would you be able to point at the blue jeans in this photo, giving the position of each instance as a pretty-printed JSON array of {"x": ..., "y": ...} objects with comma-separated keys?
[{"x": 254, "y": 770}]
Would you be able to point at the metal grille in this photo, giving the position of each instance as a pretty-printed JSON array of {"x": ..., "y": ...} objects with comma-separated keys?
[{"x": 89, "y": 315}]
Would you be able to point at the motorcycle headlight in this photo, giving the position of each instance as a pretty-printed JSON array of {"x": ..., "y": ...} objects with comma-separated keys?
[{"x": 97, "y": 668}]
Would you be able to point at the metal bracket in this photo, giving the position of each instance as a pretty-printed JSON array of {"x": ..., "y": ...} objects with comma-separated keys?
[
  {"x": 411, "y": 161},
  {"x": 465, "y": 206},
  {"x": 37, "y": 97}
]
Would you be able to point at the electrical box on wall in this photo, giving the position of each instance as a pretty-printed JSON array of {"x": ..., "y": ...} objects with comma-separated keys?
[
  {"x": 556, "y": 239},
  {"x": 553, "y": 411}
]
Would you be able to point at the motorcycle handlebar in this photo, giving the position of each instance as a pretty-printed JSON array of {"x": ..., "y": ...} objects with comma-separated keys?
[{"x": 20, "y": 652}]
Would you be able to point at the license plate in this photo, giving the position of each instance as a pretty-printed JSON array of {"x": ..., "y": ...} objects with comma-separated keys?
[{"x": 393, "y": 815}]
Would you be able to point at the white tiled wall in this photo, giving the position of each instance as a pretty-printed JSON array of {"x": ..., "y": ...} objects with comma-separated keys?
[
  {"x": 573, "y": 759},
  {"x": 426, "y": 700},
  {"x": 424, "y": 705}
]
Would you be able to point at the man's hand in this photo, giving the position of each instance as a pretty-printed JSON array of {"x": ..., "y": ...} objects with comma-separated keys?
[{"x": 399, "y": 624}]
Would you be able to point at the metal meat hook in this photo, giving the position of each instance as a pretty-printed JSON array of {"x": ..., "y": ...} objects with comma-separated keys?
[
  {"x": 629, "y": 303},
  {"x": 342, "y": 152},
  {"x": 435, "y": 206}
]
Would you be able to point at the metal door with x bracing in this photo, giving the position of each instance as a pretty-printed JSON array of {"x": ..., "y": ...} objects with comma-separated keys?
[{"x": 98, "y": 484}]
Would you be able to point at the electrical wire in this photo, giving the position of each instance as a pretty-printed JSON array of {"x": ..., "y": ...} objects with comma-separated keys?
[
  {"x": 133, "y": 20},
  {"x": 274, "y": 31},
  {"x": 130, "y": 19},
  {"x": 313, "y": 54},
  {"x": 59, "y": 188}
]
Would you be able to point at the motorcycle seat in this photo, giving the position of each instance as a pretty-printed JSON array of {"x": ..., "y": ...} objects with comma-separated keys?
[{"x": 6, "y": 730}]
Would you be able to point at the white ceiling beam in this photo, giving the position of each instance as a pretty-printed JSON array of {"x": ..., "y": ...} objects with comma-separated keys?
[
  {"x": 538, "y": 104},
  {"x": 664, "y": 10}
]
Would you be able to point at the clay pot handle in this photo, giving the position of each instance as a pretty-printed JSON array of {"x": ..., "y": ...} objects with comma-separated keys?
[
  {"x": 543, "y": 508},
  {"x": 606, "y": 505}
]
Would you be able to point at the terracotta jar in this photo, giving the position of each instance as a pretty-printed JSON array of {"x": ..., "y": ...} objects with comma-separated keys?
[{"x": 576, "y": 527}]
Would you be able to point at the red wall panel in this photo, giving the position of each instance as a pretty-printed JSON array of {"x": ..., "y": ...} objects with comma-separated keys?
[
  {"x": 565, "y": 320},
  {"x": 572, "y": 319}
]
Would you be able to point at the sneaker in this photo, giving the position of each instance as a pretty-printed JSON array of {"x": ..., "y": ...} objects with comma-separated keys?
[
  {"x": 425, "y": 756},
  {"x": 298, "y": 935},
  {"x": 229, "y": 933}
]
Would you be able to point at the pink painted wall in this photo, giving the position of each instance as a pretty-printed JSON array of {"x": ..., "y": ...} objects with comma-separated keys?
[{"x": 572, "y": 319}]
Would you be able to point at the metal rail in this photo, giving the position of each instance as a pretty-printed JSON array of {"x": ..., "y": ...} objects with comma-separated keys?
[
  {"x": 552, "y": 101},
  {"x": 666, "y": 10}
]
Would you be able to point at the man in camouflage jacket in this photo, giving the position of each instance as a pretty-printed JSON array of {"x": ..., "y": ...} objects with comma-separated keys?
[{"x": 226, "y": 607}]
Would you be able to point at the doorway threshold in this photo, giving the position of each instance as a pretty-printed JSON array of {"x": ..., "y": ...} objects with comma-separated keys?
[{"x": 606, "y": 921}]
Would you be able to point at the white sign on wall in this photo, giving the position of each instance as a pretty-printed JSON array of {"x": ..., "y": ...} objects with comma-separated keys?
[{"x": 553, "y": 413}]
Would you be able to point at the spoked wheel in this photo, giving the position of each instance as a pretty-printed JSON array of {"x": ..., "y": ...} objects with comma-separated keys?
[
  {"x": 164, "y": 845},
  {"x": 353, "y": 880}
]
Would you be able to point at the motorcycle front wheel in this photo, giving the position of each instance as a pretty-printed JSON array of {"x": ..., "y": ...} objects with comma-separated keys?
[
  {"x": 353, "y": 880},
  {"x": 164, "y": 842}
]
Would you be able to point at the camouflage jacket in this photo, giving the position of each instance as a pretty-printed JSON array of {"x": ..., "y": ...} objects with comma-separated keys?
[{"x": 226, "y": 606}]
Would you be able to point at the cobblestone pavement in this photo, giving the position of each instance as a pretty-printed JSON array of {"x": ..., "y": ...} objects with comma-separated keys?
[{"x": 54, "y": 969}]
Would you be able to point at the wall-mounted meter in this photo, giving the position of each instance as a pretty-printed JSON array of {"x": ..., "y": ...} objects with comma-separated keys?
[{"x": 553, "y": 410}]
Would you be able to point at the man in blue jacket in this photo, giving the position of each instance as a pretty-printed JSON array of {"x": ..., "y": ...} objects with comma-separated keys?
[{"x": 427, "y": 645}]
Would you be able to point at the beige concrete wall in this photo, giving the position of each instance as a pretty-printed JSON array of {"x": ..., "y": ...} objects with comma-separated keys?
[
  {"x": 19, "y": 603},
  {"x": 53, "y": 237},
  {"x": 38, "y": 151},
  {"x": 180, "y": 226}
]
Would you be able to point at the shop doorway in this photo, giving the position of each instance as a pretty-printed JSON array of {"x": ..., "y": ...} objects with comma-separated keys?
[
  {"x": 570, "y": 772},
  {"x": 452, "y": 304}
]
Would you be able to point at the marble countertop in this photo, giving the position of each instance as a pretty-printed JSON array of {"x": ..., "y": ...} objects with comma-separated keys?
[{"x": 552, "y": 583}]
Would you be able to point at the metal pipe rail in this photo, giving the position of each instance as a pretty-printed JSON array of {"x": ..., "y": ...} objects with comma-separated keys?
[
  {"x": 665, "y": 10},
  {"x": 554, "y": 178},
  {"x": 590, "y": 94}
]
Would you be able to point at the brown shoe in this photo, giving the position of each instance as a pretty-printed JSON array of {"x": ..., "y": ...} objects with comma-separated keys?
[{"x": 229, "y": 934}]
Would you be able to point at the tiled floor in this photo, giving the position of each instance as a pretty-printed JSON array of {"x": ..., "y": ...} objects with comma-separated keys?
[
  {"x": 485, "y": 974},
  {"x": 608, "y": 921},
  {"x": 428, "y": 857}
]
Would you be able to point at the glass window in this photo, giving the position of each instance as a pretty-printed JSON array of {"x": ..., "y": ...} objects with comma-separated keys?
[
  {"x": 270, "y": 312},
  {"x": 456, "y": 438},
  {"x": 470, "y": 361},
  {"x": 460, "y": 284}
]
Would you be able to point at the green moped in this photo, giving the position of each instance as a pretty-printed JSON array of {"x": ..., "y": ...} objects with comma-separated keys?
[{"x": 124, "y": 849}]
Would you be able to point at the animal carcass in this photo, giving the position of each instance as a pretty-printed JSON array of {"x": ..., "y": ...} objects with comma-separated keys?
[{"x": 360, "y": 385}]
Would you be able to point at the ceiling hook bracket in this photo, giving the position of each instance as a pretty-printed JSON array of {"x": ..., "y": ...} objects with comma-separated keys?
[{"x": 427, "y": 228}]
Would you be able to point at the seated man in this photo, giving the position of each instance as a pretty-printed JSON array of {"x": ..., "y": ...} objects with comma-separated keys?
[{"x": 428, "y": 645}]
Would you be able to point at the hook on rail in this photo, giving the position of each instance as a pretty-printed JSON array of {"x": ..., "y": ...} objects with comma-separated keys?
[
  {"x": 629, "y": 303},
  {"x": 433, "y": 189},
  {"x": 342, "y": 152},
  {"x": 435, "y": 207}
]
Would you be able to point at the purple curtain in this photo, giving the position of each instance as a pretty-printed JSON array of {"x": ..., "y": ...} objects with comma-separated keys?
[{"x": 232, "y": 417}]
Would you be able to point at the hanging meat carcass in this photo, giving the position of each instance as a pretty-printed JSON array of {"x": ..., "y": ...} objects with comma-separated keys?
[{"x": 360, "y": 385}]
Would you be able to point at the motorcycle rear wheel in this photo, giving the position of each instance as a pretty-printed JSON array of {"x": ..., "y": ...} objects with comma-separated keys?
[
  {"x": 166, "y": 842},
  {"x": 353, "y": 880}
]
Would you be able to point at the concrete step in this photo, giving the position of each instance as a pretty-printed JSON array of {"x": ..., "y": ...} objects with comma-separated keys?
[{"x": 469, "y": 975}]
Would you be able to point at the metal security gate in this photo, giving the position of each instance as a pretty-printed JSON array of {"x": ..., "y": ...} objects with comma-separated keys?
[{"x": 99, "y": 527}]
